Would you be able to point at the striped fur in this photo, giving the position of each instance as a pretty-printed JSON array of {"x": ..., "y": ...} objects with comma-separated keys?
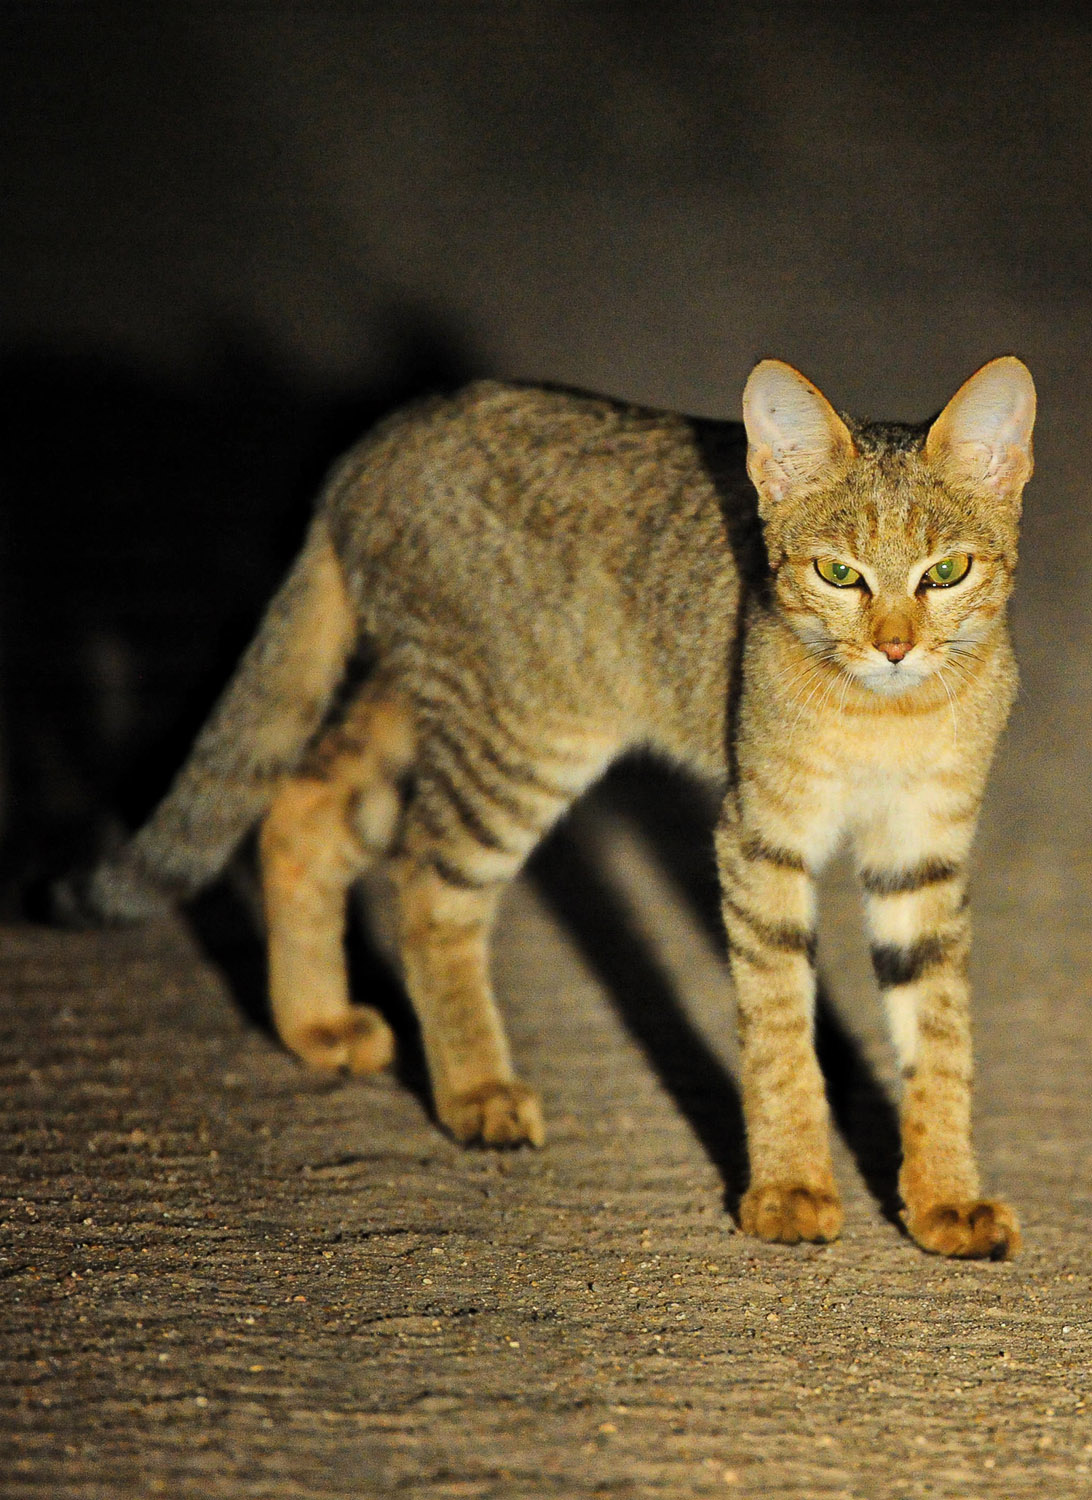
[{"x": 542, "y": 580}]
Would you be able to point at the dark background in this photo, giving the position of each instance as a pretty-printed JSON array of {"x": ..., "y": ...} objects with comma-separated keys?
[{"x": 235, "y": 234}]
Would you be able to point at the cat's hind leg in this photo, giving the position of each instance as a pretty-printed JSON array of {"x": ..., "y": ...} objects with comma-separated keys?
[
  {"x": 328, "y": 823},
  {"x": 482, "y": 801},
  {"x": 445, "y": 930}
]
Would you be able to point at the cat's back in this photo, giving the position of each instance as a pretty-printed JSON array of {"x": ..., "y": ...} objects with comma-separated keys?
[
  {"x": 592, "y": 547},
  {"x": 534, "y": 462}
]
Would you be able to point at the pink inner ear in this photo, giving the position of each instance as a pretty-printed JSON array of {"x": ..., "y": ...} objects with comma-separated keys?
[
  {"x": 768, "y": 475},
  {"x": 1002, "y": 468},
  {"x": 1004, "y": 464},
  {"x": 984, "y": 433},
  {"x": 794, "y": 434}
]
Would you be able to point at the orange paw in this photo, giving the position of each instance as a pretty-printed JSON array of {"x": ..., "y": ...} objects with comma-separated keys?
[
  {"x": 788, "y": 1213},
  {"x": 978, "y": 1229},
  {"x": 359, "y": 1043},
  {"x": 497, "y": 1114}
]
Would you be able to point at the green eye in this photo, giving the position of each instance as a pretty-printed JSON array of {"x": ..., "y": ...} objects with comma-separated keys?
[
  {"x": 840, "y": 574},
  {"x": 946, "y": 572}
]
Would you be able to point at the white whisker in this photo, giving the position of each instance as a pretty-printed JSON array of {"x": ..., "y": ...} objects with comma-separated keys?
[
  {"x": 951, "y": 705},
  {"x": 845, "y": 690},
  {"x": 803, "y": 707}
]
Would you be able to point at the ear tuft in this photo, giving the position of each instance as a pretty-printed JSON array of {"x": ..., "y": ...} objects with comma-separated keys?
[
  {"x": 795, "y": 438},
  {"x": 983, "y": 436}
]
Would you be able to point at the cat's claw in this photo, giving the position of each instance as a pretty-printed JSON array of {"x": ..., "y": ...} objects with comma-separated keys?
[
  {"x": 787, "y": 1213},
  {"x": 496, "y": 1114},
  {"x": 360, "y": 1043},
  {"x": 979, "y": 1229}
]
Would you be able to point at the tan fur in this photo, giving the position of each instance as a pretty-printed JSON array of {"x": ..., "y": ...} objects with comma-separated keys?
[
  {"x": 326, "y": 826},
  {"x": 543, "y": 580}
]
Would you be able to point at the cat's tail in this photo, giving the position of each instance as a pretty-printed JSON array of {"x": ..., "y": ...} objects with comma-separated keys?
[{"x": 256, "y": 734}]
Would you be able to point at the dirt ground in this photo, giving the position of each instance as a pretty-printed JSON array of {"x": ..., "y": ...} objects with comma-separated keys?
[{"x": 223, "y": 1278}]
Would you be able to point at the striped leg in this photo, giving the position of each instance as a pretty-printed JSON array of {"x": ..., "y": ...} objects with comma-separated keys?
[
  {"x": 769, "y": 913},
  {"x": 915, "y": 895},
  {"x": 481, "y": 804},
  {"x": 445, "y": 929}
]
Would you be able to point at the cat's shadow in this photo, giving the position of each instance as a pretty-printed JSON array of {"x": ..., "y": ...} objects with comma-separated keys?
[
  {"x": 674, "y": 818},
  {"x": 568, "y": 873}
]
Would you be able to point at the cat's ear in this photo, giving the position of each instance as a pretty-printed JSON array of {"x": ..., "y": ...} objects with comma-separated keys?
[
  {"x": 983, "y": 436},
  {"x": 795, "y": 438}
]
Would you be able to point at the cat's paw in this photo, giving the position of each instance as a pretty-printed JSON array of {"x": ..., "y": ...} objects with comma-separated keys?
[
  {"x": 788, "y": 1213},
  {"x": 496, "y": 1114},
  {"x": 359, "y": 1043},
  {"x": 978, "y": 1229}
]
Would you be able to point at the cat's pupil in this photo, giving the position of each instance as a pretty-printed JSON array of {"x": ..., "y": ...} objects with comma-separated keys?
[
  {"x": 841, "y": 570},
  {"x": 944, "y": 569}
]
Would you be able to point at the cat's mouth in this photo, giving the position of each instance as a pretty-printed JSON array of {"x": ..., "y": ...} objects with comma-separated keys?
[
  {"x": 893, "y": 678},
  {"x": 870, "y": 668},
  {"x": 890, "y": 678}
]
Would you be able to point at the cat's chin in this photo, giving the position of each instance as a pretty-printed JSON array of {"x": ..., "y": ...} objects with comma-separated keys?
[{"x": 893, "y": 681}]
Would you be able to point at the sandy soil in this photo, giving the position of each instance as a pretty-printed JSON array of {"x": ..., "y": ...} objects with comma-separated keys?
[{"x": 223, "y": 1278}]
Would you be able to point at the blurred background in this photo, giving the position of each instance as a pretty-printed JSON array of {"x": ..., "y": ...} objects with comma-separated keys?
[{"x": 235, "y": 234}]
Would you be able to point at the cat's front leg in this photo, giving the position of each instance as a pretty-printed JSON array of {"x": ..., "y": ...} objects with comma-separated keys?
[
  {"x": 769, "y": 914},
  {"x": 915, "y": 893}
]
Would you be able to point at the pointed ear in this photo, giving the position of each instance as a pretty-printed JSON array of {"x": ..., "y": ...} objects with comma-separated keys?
[
  {"x": 795, "y": 438},
  {"x": 983, "y": 436}
]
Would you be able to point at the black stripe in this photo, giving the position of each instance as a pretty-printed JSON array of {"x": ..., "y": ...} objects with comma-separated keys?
[
  {"x": 756, "y": 849},
  {"x": 896, "y": 965},
  {"x": 456, "y": 876},
  {"x": 523, "y": 774},
  {"x": 431, "y": 817},
  {"x": 748, "y": 955},
  {"x": 462, "y": 745},
  {"x": 466, "y": 692},
  {"x": 916, "y": 878},
  {"x": 461, "y": 754},
  {"x": 471, "y": 819},
  {"x": 783, "y": 936},
  {"x": 426, "y": 816},
  {"x": 476, "y": 699}
]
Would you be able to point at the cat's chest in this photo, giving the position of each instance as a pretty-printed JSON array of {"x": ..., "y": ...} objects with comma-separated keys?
[
  {"x": 882, "y": 772},
  {"x": 884, "y": 754}
]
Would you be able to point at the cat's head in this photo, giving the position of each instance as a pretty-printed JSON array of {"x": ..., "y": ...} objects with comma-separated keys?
[{"x": 892, "y": 547}]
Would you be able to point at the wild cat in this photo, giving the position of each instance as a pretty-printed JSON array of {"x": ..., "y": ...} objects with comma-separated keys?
[{"x": 809, "y": 610}]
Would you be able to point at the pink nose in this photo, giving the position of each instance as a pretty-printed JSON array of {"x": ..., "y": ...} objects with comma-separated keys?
[{"x": 893, "y": 650}]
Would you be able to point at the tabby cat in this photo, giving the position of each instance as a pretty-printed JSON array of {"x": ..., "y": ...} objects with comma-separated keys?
[{"x": 539, "y": 581}]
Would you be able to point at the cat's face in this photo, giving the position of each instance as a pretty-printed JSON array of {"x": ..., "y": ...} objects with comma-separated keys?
[
  {"x": 891, "y": 575},
  {"x": 892, "y": 548}
]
